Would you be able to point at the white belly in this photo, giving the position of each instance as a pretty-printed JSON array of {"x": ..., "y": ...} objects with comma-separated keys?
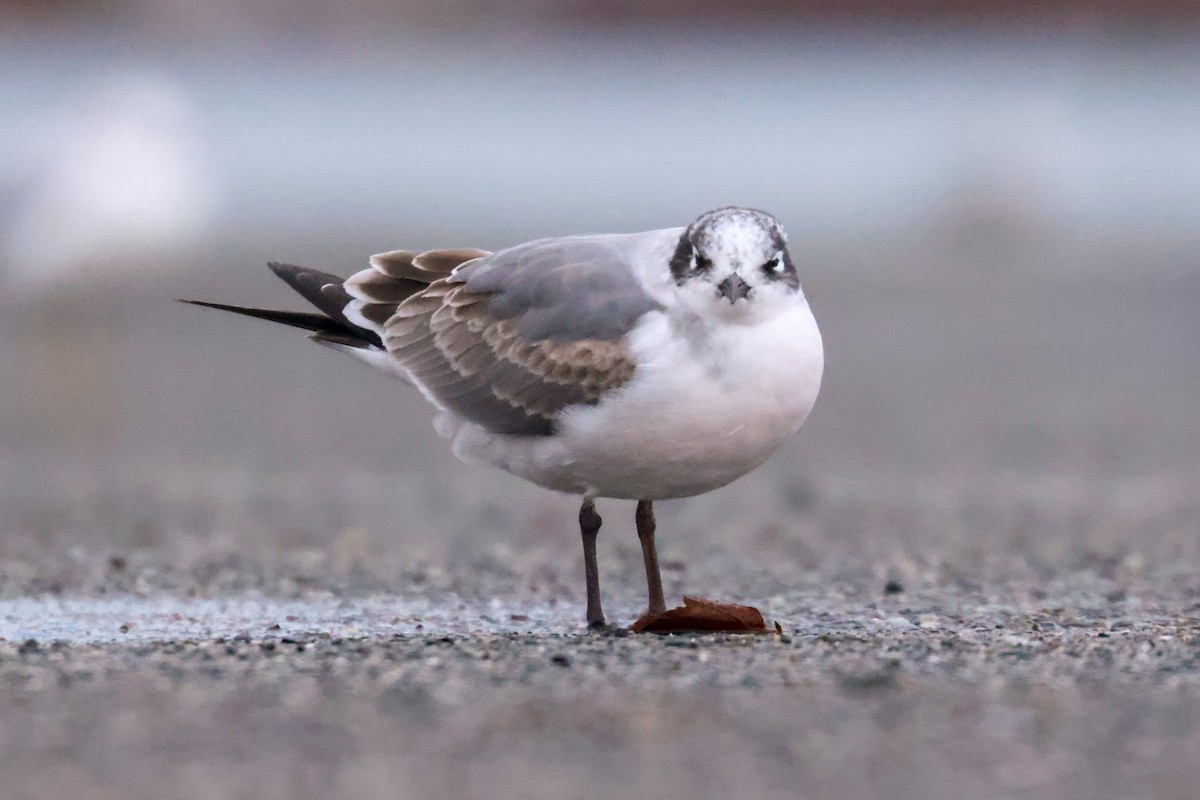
[{"x": 702, "y": 410}]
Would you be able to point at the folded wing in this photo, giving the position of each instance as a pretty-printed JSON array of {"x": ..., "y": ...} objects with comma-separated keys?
[{"x": 505, "y": 340}]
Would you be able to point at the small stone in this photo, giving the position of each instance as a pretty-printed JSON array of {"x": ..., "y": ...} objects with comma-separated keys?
[{"x": 893, "y": 586}]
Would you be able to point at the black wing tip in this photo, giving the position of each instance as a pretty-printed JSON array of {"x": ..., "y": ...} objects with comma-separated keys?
[
  {"x": 311, "y": 285},
  {"x": 291, "y": 272},
  {"x": 335, "y": 330},
  {"x": 206, "y": 304},
  {"x": 286, "y": 270},
  {"x": 322, "y": 289}
]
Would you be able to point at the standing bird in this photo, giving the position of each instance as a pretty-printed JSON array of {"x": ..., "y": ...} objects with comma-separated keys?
[{"x": 638, "y": 366}]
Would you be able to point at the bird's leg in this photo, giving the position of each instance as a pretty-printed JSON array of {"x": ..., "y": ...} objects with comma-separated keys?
[
  {"x": 645, "y": 528},
  {"x": 589, "y": 526}
]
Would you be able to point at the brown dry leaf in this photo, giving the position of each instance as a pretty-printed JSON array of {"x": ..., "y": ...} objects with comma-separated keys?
[{"x": 698, "y": 614}]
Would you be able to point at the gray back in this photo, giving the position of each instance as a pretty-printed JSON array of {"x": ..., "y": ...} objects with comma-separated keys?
[{"x": 562, "y": 290}]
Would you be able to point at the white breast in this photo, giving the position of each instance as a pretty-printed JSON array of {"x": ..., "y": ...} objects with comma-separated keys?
[
  {"x": 704, "y": 408},
  {"x": 708, "y": 403}
]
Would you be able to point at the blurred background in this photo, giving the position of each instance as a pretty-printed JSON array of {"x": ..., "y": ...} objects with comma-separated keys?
[{"x": 994, "y": 209}]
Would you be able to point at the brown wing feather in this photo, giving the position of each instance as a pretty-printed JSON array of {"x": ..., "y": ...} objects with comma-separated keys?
[
  {"x": 423, "y": 267},
  {"x": 480, "y": 368},
  {"x": 471, "y": 361},
  {"x": 370, "y": 296},
  {"x": 541, "y": 327}
]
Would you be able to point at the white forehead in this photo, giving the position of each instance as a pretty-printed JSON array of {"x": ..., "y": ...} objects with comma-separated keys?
[{"x": 739, "y": 235}]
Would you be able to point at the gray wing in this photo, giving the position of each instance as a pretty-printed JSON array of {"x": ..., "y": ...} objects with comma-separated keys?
[
  {"x": 510, "y": 339},
  {"x": 562, "y": 290}
]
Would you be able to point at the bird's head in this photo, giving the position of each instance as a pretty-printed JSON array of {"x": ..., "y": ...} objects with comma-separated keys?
[{"x": 734, "y": 262}]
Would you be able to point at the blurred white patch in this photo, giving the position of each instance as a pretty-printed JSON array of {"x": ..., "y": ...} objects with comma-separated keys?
[{"x": 121, "y": 185}]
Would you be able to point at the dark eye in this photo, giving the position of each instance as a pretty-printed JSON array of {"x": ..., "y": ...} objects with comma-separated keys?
[
  {"x": 771, "y": 266},
  {"x": 703, "y": 264}
]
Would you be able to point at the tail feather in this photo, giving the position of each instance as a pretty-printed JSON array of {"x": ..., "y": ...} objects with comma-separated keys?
[
  {"x": 324, "y": 291},
  {"x": 354, "y": 313},
  {"x": 318, "y": 323}
]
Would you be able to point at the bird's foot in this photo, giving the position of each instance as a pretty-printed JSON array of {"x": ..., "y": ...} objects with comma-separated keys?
[{"x": 602, "y": 628}]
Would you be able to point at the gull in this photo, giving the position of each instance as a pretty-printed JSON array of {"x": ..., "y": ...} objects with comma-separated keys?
[{"x": 641, "y": 366}]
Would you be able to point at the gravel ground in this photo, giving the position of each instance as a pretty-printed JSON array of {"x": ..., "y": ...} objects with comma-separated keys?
[
  {"x": 971, "y": 662},
  {"x": 943, "y": 693},
  {"x": 218, "y": 579}
]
